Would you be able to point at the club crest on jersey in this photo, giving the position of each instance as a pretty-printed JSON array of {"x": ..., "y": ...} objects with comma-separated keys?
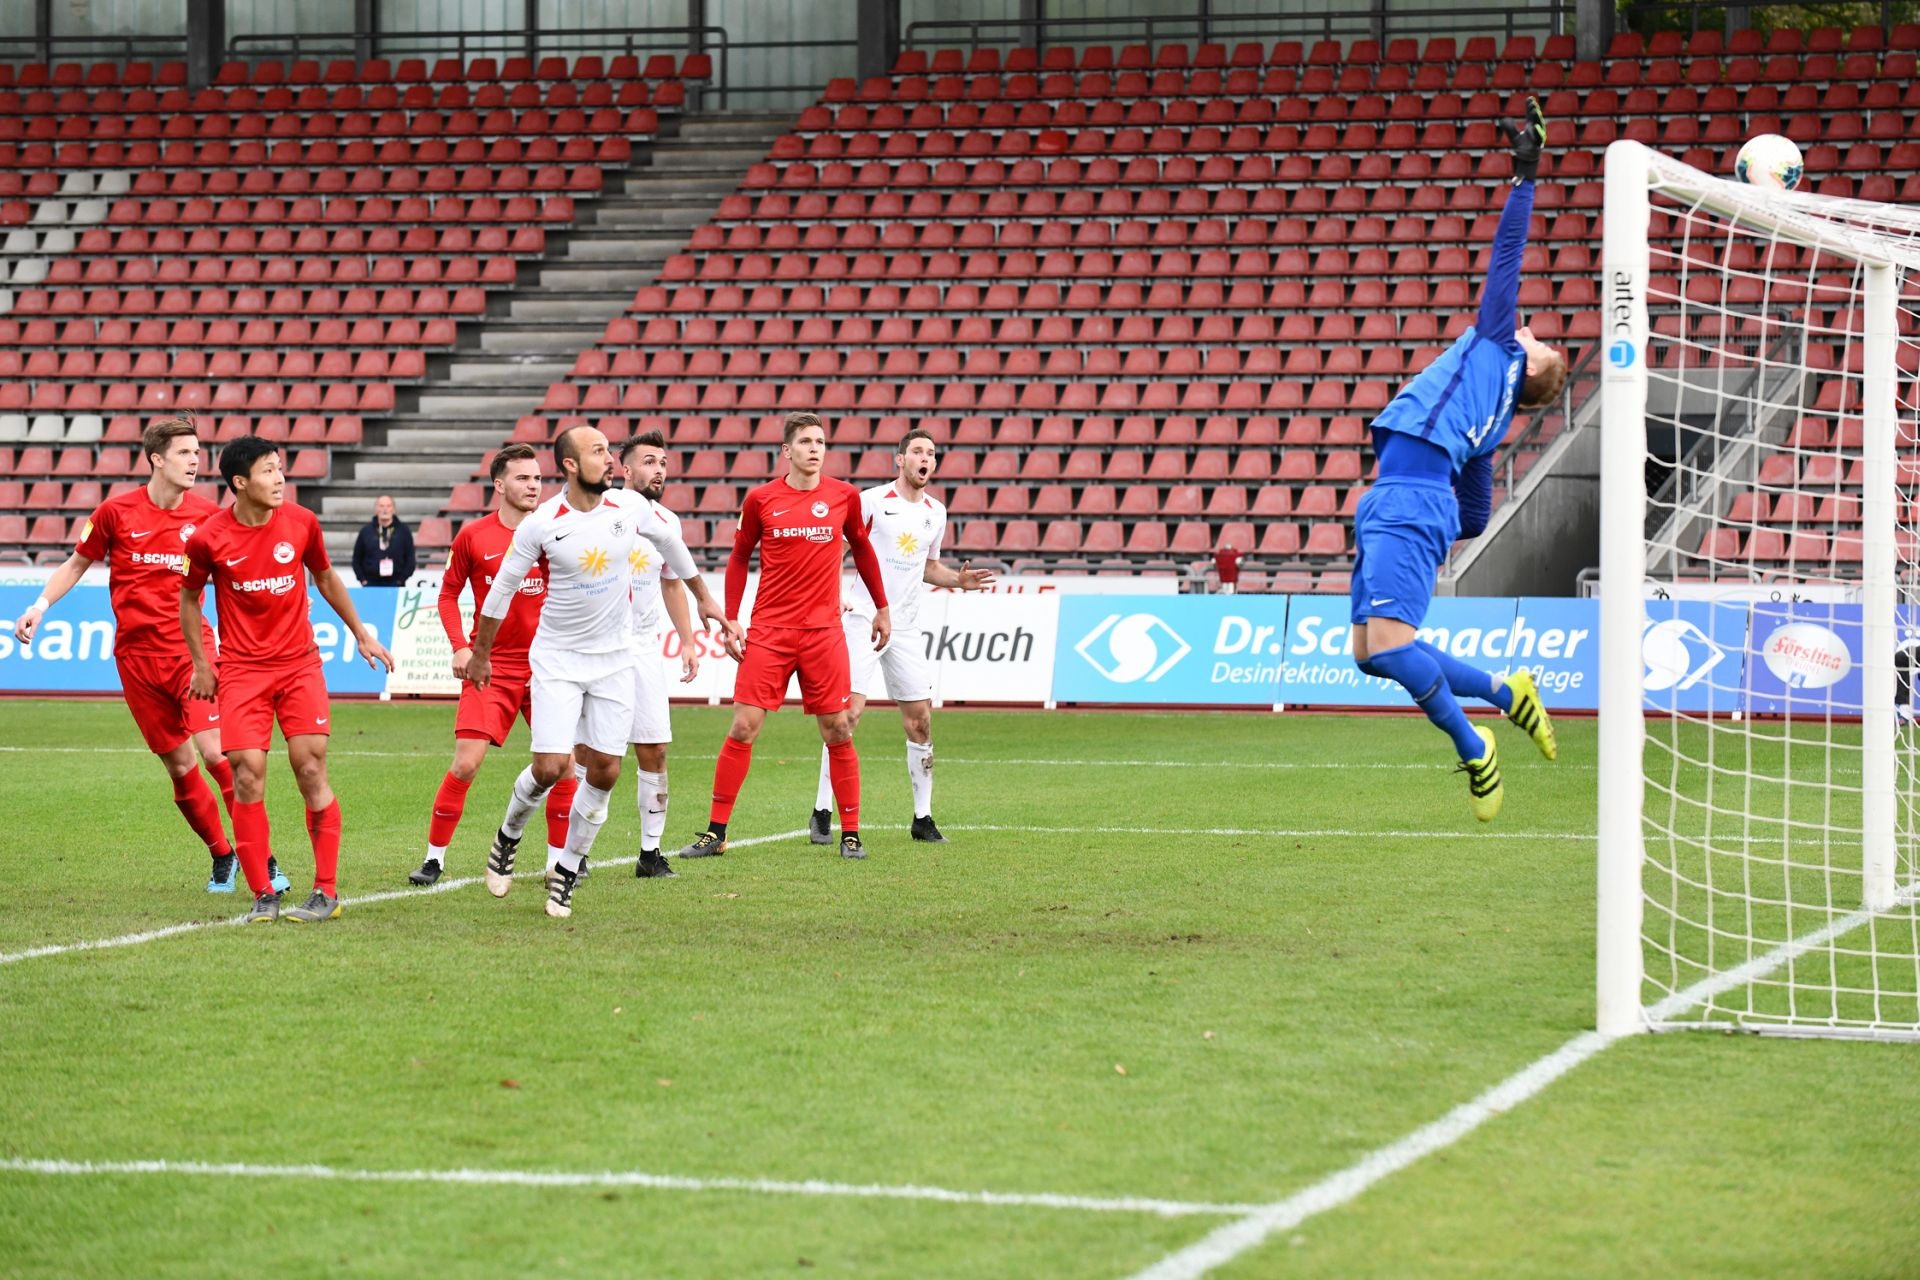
[
  {"x": 186, "y": 531},
  {"x": 819, "y": 510},
  {"x": 619, "y": 527},
  {"x": 283, "y": 552}
]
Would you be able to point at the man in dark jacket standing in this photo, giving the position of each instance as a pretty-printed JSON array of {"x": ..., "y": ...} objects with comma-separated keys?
[{"x": 383, "y": 553}]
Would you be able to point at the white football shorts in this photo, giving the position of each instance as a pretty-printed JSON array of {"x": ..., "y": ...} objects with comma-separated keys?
[
  {"x": 900, "y": 671},
  {"x": 650, "y": 722},
  {"x": 591, "y": 704}
]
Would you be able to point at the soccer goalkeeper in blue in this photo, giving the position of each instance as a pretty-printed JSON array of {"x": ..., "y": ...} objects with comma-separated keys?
[{"x": 1435, "y": 441}]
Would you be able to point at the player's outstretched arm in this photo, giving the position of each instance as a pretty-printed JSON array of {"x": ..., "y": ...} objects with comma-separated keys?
[
  {"x": 673, "y": 594},
  {"x": 334, "y": 592},
  {"x": 965, "y": 578},
  {"x": 1500, "y": 295},
  {"x": 70, "y": 572}
]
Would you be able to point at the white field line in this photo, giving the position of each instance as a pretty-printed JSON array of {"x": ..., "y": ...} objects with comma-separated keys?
[
  {"x": 389, "y": 895},
  {"x": 1236, "y": 1238},
  {"x": 651, "y": 1181},
  {"x": 1274, "y": 832}
]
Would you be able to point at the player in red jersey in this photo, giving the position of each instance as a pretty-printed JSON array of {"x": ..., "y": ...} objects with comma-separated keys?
[
  {"x": 487, "y": 711},
  {"x": 257, "y": 556},
  {"x": 142, "y": 535},
  {"x": 798, "y": 522}
]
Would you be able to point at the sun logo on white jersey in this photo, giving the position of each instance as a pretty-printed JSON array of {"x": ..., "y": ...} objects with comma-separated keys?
[
  {"x": 594, "y": 561},
  {"x": 638, "y": 560},
  {"x": 906, "y": 544}
]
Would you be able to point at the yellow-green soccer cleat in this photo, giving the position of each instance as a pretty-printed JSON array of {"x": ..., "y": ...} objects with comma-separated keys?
[
  {"x": 1484, "y": 790},
  {"x": 1530, "y": 714}
]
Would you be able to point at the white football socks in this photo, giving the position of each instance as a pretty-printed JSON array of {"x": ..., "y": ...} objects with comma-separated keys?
[
  {"x": 584, "y": 820},
  {"x": 651, "y": 796},
  {"x": 528, "y": 796},
  {"x": 920, "y": 775},
  {"x": 823, "y": 794}
]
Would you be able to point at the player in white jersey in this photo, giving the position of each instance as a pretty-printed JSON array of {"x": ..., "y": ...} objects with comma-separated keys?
[
  {"x": 905, "y": 527},
  {"x": 658, "y": 596},
  {"x": 582, "y": 656}
]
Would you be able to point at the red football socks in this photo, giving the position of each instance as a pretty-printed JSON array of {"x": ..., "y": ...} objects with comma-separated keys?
[
  {"x": 253, "y": 841},
  {"x": 222, "y": 774},
  {"x": 729, "y": 775},
  {"x": 448, "y": 804},
  {"x": 559, "y": 809},
  {"x": 323, "y": 828},
  {"x": 843, "y": 766},
  {"x": 196, "y": 803}
]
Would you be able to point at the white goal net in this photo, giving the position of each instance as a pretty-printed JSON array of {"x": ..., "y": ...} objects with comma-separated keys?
[{"x": 1759, "y": 575}]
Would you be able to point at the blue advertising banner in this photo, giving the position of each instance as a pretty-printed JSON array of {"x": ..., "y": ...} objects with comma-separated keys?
[
  {"x": 1558, "y": 641},
  {"x": 1200, "y": 650},
  {"x": 1803, "y": 659},
  {"x": 1319, "y": 648},
  {"x": 73, "y": 652},
  {"x": 1693, "y": 655}
]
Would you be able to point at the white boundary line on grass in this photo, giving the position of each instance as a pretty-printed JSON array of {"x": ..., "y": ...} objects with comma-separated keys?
[
  {"x": 1236, "y": 1238},
  {"x": 651, "y": 1181},
  {"x": 389, "y": 895}
]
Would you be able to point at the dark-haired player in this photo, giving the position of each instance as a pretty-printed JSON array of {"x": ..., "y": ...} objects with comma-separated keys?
[
  {"x": 142, "y": 535},
  {"x": 487, "y": 711},
  {"x": 257, "y": 555},
  {"x": 1435, "y": 441},
  {"x": 798, "y": 521}
]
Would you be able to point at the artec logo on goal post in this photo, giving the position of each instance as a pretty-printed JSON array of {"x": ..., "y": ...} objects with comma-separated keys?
[{"x": 1620, "y": 355}]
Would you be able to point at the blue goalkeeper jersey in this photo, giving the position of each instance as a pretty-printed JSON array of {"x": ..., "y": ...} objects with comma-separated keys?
[{"x": 1463, "y": 401}]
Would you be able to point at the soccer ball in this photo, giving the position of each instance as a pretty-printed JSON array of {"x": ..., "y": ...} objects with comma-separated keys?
[{"x": 1769, "y": 160}]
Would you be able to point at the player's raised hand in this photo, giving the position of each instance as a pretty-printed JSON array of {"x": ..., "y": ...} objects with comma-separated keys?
[
  {"x": 972, "y": 579},
  {"x": 882, "y": 628},
  {"x": 375, "y": 653},
  {"x": 205, "y": 684},
  {"x": 1529, "y": 139}
]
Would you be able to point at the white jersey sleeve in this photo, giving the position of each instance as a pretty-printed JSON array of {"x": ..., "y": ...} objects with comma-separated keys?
[
  {"x": 649, "y": 570},
  {"x": 665, "y": 535},
  {"x": 525, "y": 552}
]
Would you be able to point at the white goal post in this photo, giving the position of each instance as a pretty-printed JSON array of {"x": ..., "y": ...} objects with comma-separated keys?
[{"x": 1758, "y": 806}]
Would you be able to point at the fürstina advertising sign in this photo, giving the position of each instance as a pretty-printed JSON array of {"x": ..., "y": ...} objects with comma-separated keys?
[
  {"x": 1803, "y": 659},
  {"x": 1184, "y": 650}
]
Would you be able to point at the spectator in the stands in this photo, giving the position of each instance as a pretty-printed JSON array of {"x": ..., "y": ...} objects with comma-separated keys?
[{"x": 383, "y": 553}]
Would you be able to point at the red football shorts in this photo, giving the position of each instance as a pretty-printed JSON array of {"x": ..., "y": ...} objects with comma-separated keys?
[
  {"x": 252, "y": 698},
  {"x": 775, "y": 653},
  {"x": 488, "y": 713},
  {"x": 156, "y": 693}
]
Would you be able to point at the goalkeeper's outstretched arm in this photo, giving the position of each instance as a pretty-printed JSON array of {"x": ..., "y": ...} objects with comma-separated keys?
[{"x": 1500, "y": 295}]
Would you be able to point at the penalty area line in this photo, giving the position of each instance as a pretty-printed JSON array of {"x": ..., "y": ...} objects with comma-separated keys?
[
  {"x": 650, "y": 1181},
  {"x": 1230, "y": 1241},
  {"x": 362, "y": 900}
]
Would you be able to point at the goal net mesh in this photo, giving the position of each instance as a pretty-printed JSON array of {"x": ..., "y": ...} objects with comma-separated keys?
[{"x": 1759, "y": 746}]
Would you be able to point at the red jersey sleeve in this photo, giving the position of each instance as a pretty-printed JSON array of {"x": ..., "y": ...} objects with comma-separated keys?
[
  {"x": 315, "y": 557},
  {"x": 453, "y": 580},
  {"x": 96, "y": 536},
  {"x": 865, "y": 562},
  {"x": 199, "y": 555},
  {"x": 744, "y": 539}
]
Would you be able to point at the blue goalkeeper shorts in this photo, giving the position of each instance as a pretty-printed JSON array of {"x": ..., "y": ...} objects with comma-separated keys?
[{"x": 1403, "y": 531}]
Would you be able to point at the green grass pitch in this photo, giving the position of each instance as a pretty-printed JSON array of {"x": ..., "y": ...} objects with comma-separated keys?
[{"x": 1200, "y": 958}]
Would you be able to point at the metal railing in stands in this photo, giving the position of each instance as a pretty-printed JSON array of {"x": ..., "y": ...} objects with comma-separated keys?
[
  {"x": 1378, "y": 23},
  {"x": 1653, "y": 15},
  {"x": 52, "y": 49},
  {"x": 533, "y": 42}
]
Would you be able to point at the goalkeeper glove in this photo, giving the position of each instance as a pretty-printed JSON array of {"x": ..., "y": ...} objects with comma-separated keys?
[{"x": 1528, "y": 140}]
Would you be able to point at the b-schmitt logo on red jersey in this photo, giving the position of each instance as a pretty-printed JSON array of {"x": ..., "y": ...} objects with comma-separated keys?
[
  {"x": 278, "y": 586},
  {"x": 811, "y": 532},
  {"x": 283, "y": 552}
]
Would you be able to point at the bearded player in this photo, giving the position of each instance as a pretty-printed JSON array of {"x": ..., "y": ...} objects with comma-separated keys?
[
  {"x": 582, "y": 654},
  {"x": 798, "y": 521},
  {"x": 142, "y": 535},
  {"x": 487, "y": 713},
  {"x": 658, "y": 596},
  {"x": 905, "y": 527},
  {"x": 257, "y": 554}
]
